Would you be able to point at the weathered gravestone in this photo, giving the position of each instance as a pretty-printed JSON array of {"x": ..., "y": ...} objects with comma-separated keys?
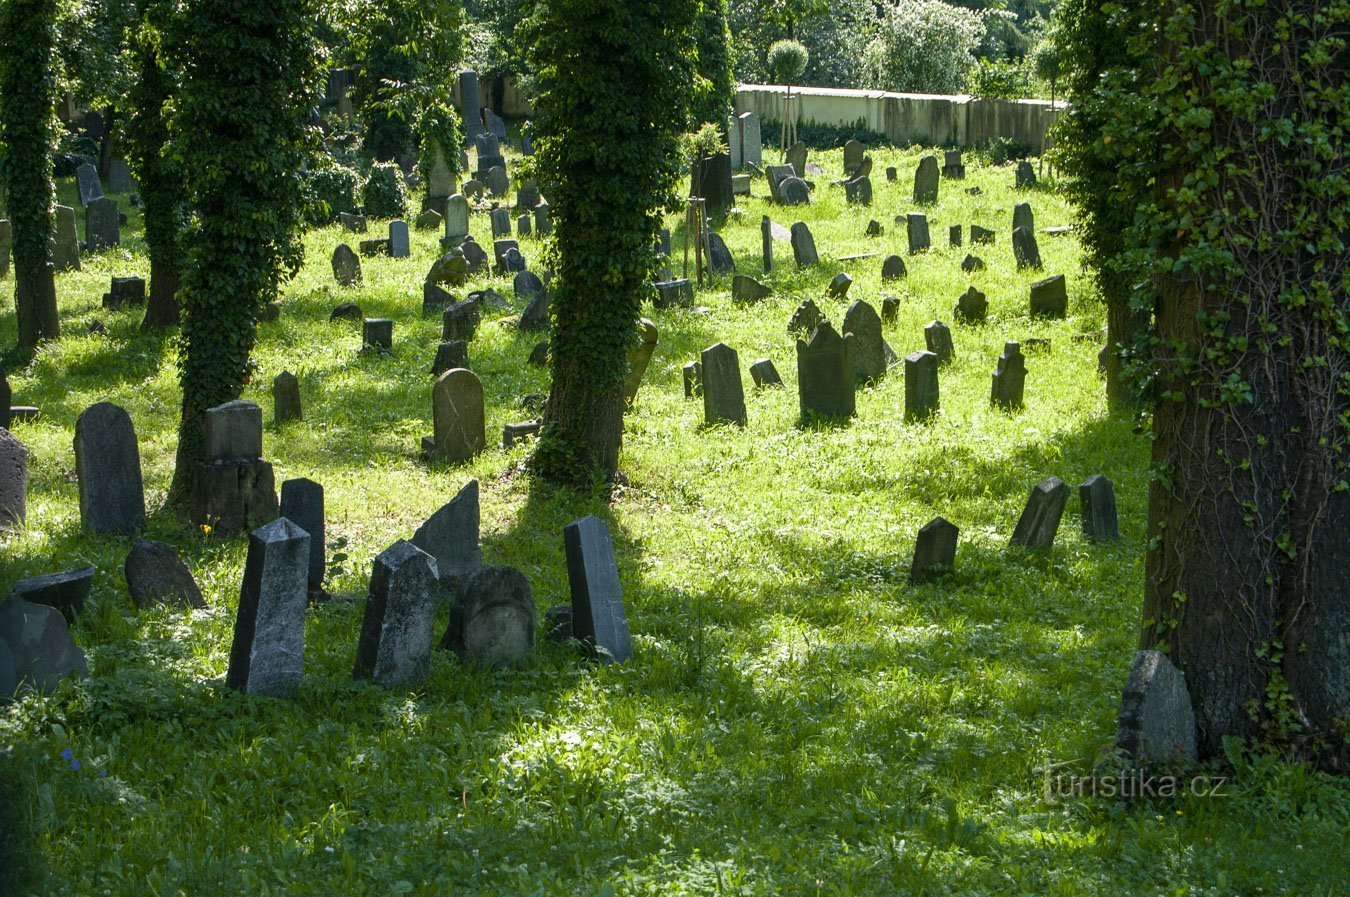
[
  {"x": 1025, "y": 250},
  {"x": 1026, "y": 175},
  {"x": 397, "y": 628},
  {"x": 469, "y": 105},
  {"x": 892, "y": 173},
  {"x": 639, "y": 357},
  {"x": 890, "y": 308},
  {"x": 346, "y": 266},
  {"x": 926, "y": 178},
  {"x": 458, "y": 418},
  {"x": 108, "y": 466},
  {"x": 347, "y": 311},
  {"x": 893, "y": 268},
  {"x": 1040, "y": 519},
  {"x": 1050, "y": 297},
  {"x": 766, "y": 242},
  {"x": 723, "y": 393},
  {"x": 489, "y": 151},
  {"x": 520, "y": 431},
  {"x": 838, "y": 287},
  {"x": 1156, "y": 723},
  {"x": 399, "y": 245},
  {"x": 952, "y": 166},
  {"x": 40, "y": 650},
  {"x": 101, "y": 225},
  {"x": 539, "y": 354},
  {"x": 492, "y": 623},
  {"x": 124, "y": 291},
  {"x": 825, "y": 374},
  {"x": 752, "y": 146},
  {"x": 451, "y": 268},
  {"x": 765, "y": 374},
  {"x": 456, "y": 217},
  {"x": 775, "y": 175},
  {"x": 693, "y": 379},
  {"x": 353, "y": 223},
  {"x": 65, "y": 244},
  {"x": 934, "y": 550},
  {"x": 804, "y": 320},
  {"x": 746, "y": 289},
  {"x": 500, "y": 248},
  {"x": 1097, "y": 496},
  {"x": 954, "y": 235},
  {"x": 803, "y": 245},
  {"x": 441, "y": 180},
  {"x": 234, "y": 488},
  {"x": 794, "y": 192},
  {"x": 377, "y": 334},
  {"x": 450, "y": 354},
  {"x": 286, "y": 398},
  {"x": 494, "y": 123},
  {"x": 302, "y": 504},
  {"x": 980, "y": 235},
  {"x": 862, "y": 323},
  {"x": 450, "y": 536},
  {"x": 674, "y": 293},
  {"x": 972, "y": 307},
  {"x": 66, "y": 591},
  {"x": 938, "y": 337},
  {"x": 719, "y": 257},
  {"x": 916, "y": 226},
  {"x": 1009, "y": 378},
  {"x": 460, "y": 321},
  {"x": 524, "y": 226},
  {"x": 530, "y": 288},
  {"x": 497, "y": 182},
  {"x": 13, "y": 480},
  {"x": 858, "y": 191},
  {"x": 796, "y": 157},
  {"x": 598, "y": 619},
  {"x": 972, "y": 264},
  {"x": 156, "y": 575},
  {"x": 874, "y": 228},
  {"x": 501, "y": 223},
  {"x": 268, "y": 653},
  {"x": 88, "y": 184},
  {"x": 853, "y": 155},
  {"x": 922, "y": 399}
]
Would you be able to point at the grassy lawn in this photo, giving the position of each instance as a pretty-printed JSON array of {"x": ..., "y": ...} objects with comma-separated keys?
[{"x": 798, "y": 718}]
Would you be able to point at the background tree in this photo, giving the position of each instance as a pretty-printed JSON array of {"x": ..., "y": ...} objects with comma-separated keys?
[
  {"x": 923, "y": 46},
  {"x": 240, "y": 128},
  {"x": 28, "y": 80},
  {"x": 623, "y": 70},
  {"x": 835, "y": 35},
  {"x": 714, "y": 87}
]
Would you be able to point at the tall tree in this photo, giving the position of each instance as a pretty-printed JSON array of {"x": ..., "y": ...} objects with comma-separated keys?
[
  {"x": 240, "y": 129},
  {"x": 614, "y": 86},
  {"x": 714, "y": 87},
  {"x": 27, "y": 112}
]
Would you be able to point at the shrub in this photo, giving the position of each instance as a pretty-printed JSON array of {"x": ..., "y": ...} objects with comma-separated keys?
[
  {"x": 384, "y": 195},
  {"x": 330, "y": 190},
  {"x": 706, "y": 141},
  {"x": 923, "y": 46},
  {"x": 787, "y": 59}
]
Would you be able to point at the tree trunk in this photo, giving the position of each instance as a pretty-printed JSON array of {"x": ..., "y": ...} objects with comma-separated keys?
[
  {"x": 35, "y": 299},
  {"x": 588, "y": 420},
  {"x": 1122, "y": 327},
  {"x": 162, "y": 308}
]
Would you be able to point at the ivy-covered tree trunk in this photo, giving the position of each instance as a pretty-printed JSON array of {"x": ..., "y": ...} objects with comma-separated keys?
[
  {"x": 27, "y": 110},
  {"x": 615, "y": 80},
  {"x": 240, "y": 130}
]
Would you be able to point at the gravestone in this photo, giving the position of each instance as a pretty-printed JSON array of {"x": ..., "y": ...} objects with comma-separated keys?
[
  {"x": 714, "y": 184},
  {"x": 40, "y": 650},
  {"x": 916, "y": 225},
  {"x": 874, "y": 228},
  {"x": 1097, "y": 497},
  {"x": 952, "y": 166},
  {"x": 458, "y": 418},
  {"x": 972, "y": 307},
  {"x": 853, "y": 155},
  {"x": 803, "y": 245},
  {"x": 693, "y": 379},
  {"x": 825, "y": 375},
  {"x": 451, "y": 268},
  {"x": 752, "y": 146},
  {"x": 858, "y": 191},
  {"x": 529, "y": 287},
  {"x": 488, "y": 149},
  {"x": 88, "y": 184},
  {"x": 1026, "y": 175},
  {"x": 775, "y": 175},
  {"x": 765, "y": 374},
  {"x": 1025, "y": 250},
  {"x": 890, "y": 308},
  {"x": 794, "y": 192},
  {"x": 473, "y": 188},
  {"x": 397, "y": 628},
  {"x": 746, "y": 289},
  {"x": 1009, "y": 378},
  {"x": 268, "y": 653},
  {"x": 839, "y": 286},
  {"x": 302, "y": 504},
  {"x": 234, "y": 432},
  {"x": 512, "y": 261},
  {"x": 527, "y": 197},
  {"x": 371, "y": 248},
  {"x": 450, "y": 354},
  {"x": 441, "y": 180},
  {"x": 766, "y": 242},
  {"x": 796, "y": 157},
  {"x": 639, "y": 357},
  {"x": 865, "y": 169},
  {"x": 1040, "y": 519},
  {"x": 1050, "y": 297},
  {"x": 741, "y": 184},
  {"x": 1023, "y": 216},
  {"x": 156, "y": 575},
  {"x": 493, "y": 122},
  {"x": 101, "y": 225},
  {"x": 499, "y": 250},
  {"x": 475, "y": 256},
  {"x": 938, "y": 337},
  {"x": 543, "y": 225},
  {"x": 13, "y": 479},
  {"x": 922, "y": 399},
  {"x": 346, "y": 266},
  {"x": 234, "y": 488},
  {"x": 492, "y": 623},
  {"x": 1156, "y": 723},
  {"x": 598, "y": 619},
  {"x": 399, "y": 244},
  {"x": 805, "y": 319},
  {"x": 934, "y": 551},
  {"x": 723, "y": 394},
  {"x": 377, "y": 334},
  {"x": 525, "y": 226},
  {"x": 66, "y": 591},
  {"x": 498, "y": 184},
  {"x": 460, "y": 321},
  {"x": 539, "y": 354},
  {"x": 353, "y": 223},
  {"x": 65, "y": 245},
  {"x": 286, "y": 398},
  {"x": 347, "y": 311},
  {"x": 893, "y": 268},
  {"x": 119, "y": 176},
  {"x": 124, "y": 291},
  {"x": 108, "y": 466},
  {"x": 674, "y": 293},
  {"x": 954, "y": 235},
  {"x": 926, "y": 178},
  {"x": 892, "y": 173},
  {"x": 501, "y": 223},
  {"x": 862, "y": 323},
  {"x": 719, "y": 257},
  {"x": 972, "y": 264},
  {"x": 980, "y": 235},
  {"x": 520, "y": 431},
  {"x": 456, "y": 217},
  {"x": 434, "y": 299},
  {"x": 450, "y": 536}
]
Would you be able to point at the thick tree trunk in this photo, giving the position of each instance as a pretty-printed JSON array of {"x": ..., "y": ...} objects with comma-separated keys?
[
  {"x": 1122, "y": 327},
  {"x": 588, "y": 420},
  {"x": 35, "y": 301},
  {"x": 162, "y": 308}
]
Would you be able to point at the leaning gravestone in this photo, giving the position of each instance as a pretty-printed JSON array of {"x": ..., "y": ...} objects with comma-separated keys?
[
  {"x": 639, "y": 357},
  {"x": 598, "y": 619},
  {"x": 234, "y": 488},
  {"x": 746, "y": 289},
  {"x": 1009, "y": 378},
  {"x": 1050, "y": 297},
  {"x": 346, "y": 266},
  {"x": 794, "y": 192},
  {"x": 108, "y": 466},
  {"x": 302, "y": 504},
  {"x": 934, "y": 550},
  {"x": 101, "y": 225},
  {"x": 492, "y": 623},
  {"x": 13, "y": 481},
  {"x": 397, "y": 628},
  {"x": 156, "y": 575},
  {"x": 88, "y": 184},
  {"x": 825, "y": 374},
  {"x": 268, "y": 653},
  {"x": 66, "y": 591},
  {"x": 1097, "y": 496},
  {"x": 723, "y": 393},
  {"x": 41, "y": 651},
  {"x": 1040, "y": 519},
  {"x": 803, "y": 245},
  {"x": 719, "y": 257},
  {"x": 450, "y": 536},
  {"x": 796, "y": 157},
  {"x": 765, "y": 374},
  {"x": 926, "y": 181},
  {"x": 65, "y": 244},
  {"x": 938, "y": 337},
  {"x": 922, "y": 399},
  {"x": 286, "y": 398},
  {"x": 1025, "y": 250},
  {"x": 862, "y": 322},
  {"x": 458, "y": 418},
  {"x": 529, "y": 287},
  {"x": 399, "y": 246},
  {"x": 980, "y": 235},
  {"x": 916, "y": 225},
  {"x": 456, "y": 217},
  {"x": 972, "y": 307},
  {"x": 1156, "y": 723},
  {"x": 839, "y": 286},
  {"x": 893, "y": 268}
]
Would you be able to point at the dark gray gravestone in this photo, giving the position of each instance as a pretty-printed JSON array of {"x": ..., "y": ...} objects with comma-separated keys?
[
  {"x": 451, "y": 537},
  {"x": 475, "y": 256},
  {"x": 498, "y": 184},
  {"x": 65, "y": 245},
  {"x": 88, "y": 184},
  {"x": 674, "y": 293},
  {"x": 525, "y": 226},
  {"x": 493, "y": 122},
  {"x": 399, "y": 246},
  {"x": 972, "y": 263},
  {"x": 520, "y": 431},
  {"x": 397, "y": 629},
  {"x": 922, "y": 399},
  {"x": 916, "y": 225},
  {"x": 450, "y": 354},
  {"x": 1040, "y": 519},
  {"x": 101, "y": 225},
  {"x": 1009, "y": 378},
  {"x": 890, "y": 308},
  {"x": 1025, "y": 250},
  {"x": 715, "y": 185},
  {"x": 1097, "y": 496},
  {"x": 825, "y": 374},
  {"x": 1050, "y": 297},
  {"x": 108, "y": 466},
  {"x": 776, "y": 174},
  {"x": 926, "y": 178},
  {"x": 543, "y": 224},
  {"x": 980, "y": 235},
  {"x": 803, "y": 245},
  {"x": 539, "y": 354},
  {"x": 65, "y": 591},
  {"x": 1157, "y": 720},
  {"x": 460, "y": 321},
  {"x": 370, "y": 248},
  {"x": 954, "y": 235},
  {"x": 934, "y": 550},
  {"x": 766, "y": 241},
  {"x": 458, "y": 417},
  {"x": 972, "y": 307},
  {"x": 765, "y": 374},
  {"x": 234, "y": 489},
  {"x": 346, "y": 266},
  {"x": 723, "y": 394},
  {"x": 156, "y": 575},
  {"x": 234, "y": 432},
  {"x": 501, "y": 222},
  {"x": 858, "y": 191},
  {"x": 527, "y": 197},
  {"x": 874, "y": 228},
  {"x": 377, "y": 334},
  {"x": 536, "y": 314},
  {"x": 892, "y": 173},
  {"x": 796, "y": 157},
  {"x": 862, "y": 322},
  {"x": 353, "y": 223},
  {"x": 1023, "y": 216},
  {"x": 719, "y": 257},
  {"x": 492, "y": 623},
  {"x": 747, "y": 289},
  {"x": 286, "y": 398},
  {"x": 13, "y": 480},
  {"x": 456, "y": 217},
  {"x": 124, "y": 291},
  {"x": 1026, "y": 175},
  {"x": 489, "y": 151},
  {"x": 500, "y": 248},
  {"x": 893, "y": 268},
  {"x": 598, "y": 619},
  {"x": 693, "y": 379},
  {"x": 42, "y": 653},
  {"x": 952, "y": 166},
  {"x": 938, "y": 337},
  {"x": 268, "y": 654},
  {"x": 469, "y": 106},
  {"x": 804, "y": 320},
  {"x": 853, "y": 155},
  {"x": 302, "y": 504}
]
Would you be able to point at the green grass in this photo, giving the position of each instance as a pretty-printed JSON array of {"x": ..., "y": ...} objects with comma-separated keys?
[{"x": 798, "y": 719}]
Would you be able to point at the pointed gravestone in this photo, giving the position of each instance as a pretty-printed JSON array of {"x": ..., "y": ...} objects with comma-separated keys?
[
  {"x": 102, "y": 227},
  {"x": 492, "y": 623},
  {"x": 825, "y": 374},
  {"x": 346, "y": 266},
  {"x": 972, "y": 307},
  {"x": 805, "y": 318},
  {"x": 1156, "y": 723},
  {"x": 13, "y": 481},
  {"x": 459, "y": 423},
  {"x": 1040, "y": 519},
  {"x": 922, "y": 399},
  {"x": 1097, "y": 496},
  {"x": 938, "y": 337},
  {"x": 302, "y": 504},
  {"x": 286, "y": 398},
  {"x": 39, "y": 651},
  {"x": 1050, "y": 297},
  {"x": 397, "y": 628},
  {"x": 267, "y": 657},
  {"x": 1009, "y": 378},
  {"x": 863, "y": 324},
  {"x": 108, "y": 466},
  {"x": 803, "y": 245},
  {"x": 719, "y": 257},
  {"x": 796, "y": 157},
  {"x": 766, "y": 241},
  {"x": 65, "y": 244},
  {"x": 1025, "y": 250},
  {"x": 916, "y": 224},
  {"x": 399, "y": 246},
  {"x": 450, "y": 536},
  {"x": 723, "y": 394},
  {"x": 156, "y": 575},
  {"x": 764, "y": 374},
  {"x": 893, "y": 268},
  {"x": 456, "y": 217},
  {"x": 598, "y": 619},
  {"x": 934, "y": 550},
  {"x": 926, "y": 178}
]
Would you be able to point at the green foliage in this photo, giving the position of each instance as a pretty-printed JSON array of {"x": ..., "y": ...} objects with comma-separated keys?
[
  {"x": 923, "y": 46},
  {"x": 714, "y": 88},
  {"x": 706, "y": 141},
  {"x": 438, "y": 127},
  {"x": 786, "y": 60},
  {"x": 330, "y": 189},
  {"x": 1000, "y": 80},
  {"x": 94, "y": 41},
  {"x": 494, "y": 47},
  {"x": 834, "y": 34},
  {"x": 384, "y": 195}
]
